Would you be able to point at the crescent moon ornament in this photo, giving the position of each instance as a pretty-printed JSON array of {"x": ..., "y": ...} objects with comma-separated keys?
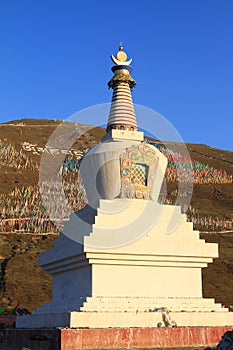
[{"x": 121, "y": 59}]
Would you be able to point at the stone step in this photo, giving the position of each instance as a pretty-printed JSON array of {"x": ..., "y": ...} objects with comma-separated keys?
[
  {"x": 188, "y": 308},
  {"x": 146, "y": 304},
  {"x": 124, "y": 211},
  {"x": 122, "y": 219},
  {"x": 155, "y": 304},
  {"x": 119, "y": 319},
  {"x": 148, "y": 319},
  {"x": 224, "y": 310},
  {"x": 150, "y": 301}
]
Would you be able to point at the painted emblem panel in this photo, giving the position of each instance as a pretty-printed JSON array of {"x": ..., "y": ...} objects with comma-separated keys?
[{"x": 138, "y": 168}]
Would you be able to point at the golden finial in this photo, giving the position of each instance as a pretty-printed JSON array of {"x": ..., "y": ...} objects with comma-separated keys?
[{"x": 121, "y": 55}]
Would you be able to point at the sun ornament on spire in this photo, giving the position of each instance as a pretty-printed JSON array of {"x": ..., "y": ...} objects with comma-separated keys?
[{"x": 121, "y": 57}]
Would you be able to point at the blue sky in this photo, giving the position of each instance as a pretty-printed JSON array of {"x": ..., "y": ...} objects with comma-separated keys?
[{"x": 55, "y": 60}]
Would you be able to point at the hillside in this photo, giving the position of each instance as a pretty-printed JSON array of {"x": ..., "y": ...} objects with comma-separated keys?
[{"x": 22, "y": 144}]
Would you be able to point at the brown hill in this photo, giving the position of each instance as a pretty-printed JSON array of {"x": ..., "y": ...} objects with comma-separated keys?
[{"x": 20, "y": 277}]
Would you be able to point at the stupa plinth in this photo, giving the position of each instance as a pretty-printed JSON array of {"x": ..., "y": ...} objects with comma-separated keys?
[{"x": 115, "y": 263}]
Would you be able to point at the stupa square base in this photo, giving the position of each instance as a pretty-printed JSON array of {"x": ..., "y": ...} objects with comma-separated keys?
[{"x": 115, "y": 338}]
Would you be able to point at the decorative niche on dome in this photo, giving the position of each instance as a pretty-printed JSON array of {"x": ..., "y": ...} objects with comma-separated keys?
[{"x": 138, "y": 166}]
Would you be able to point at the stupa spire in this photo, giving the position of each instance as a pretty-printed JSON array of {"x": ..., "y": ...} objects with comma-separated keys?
[{"x": 122, "y": 114}]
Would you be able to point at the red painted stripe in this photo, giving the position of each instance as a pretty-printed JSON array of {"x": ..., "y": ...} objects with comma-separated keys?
[{"x": 116, "y": 338}]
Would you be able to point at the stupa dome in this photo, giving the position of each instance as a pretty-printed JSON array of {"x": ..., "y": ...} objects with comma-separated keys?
[{"x": 123, "y": 165}]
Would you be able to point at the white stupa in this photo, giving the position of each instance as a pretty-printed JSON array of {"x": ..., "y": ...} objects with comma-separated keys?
[{"x": 115, "y": 265}]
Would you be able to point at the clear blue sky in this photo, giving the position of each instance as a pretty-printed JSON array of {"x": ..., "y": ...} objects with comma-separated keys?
[{"x": 55, "y": 60}]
